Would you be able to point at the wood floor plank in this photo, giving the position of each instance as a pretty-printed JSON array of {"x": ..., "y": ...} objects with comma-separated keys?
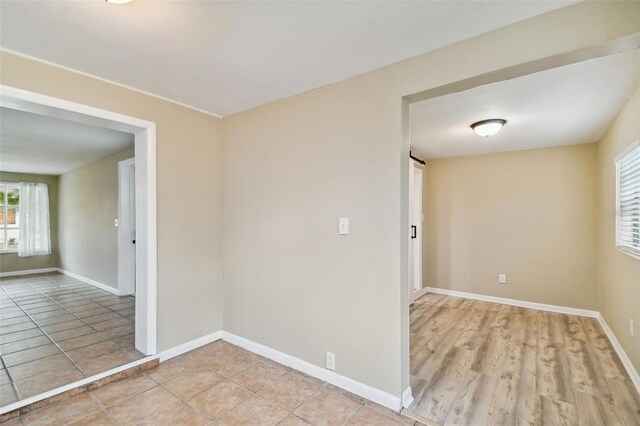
[
  {"x": 492, "y": 354},
  {"x": 609, "y": 364},
  {"x": 482, "y": 363},
  {"x": 591, "y": 411},
  {"x": 474, "y": 402},
  {"x": 548, "y": 381},
  {"x": 528, "y": 405},
  {"x": 515, "y": 347},
  {"x": 442, "y": 392},
  {"x": 562, "y": 368},
  {"x": 559, "y": 413},
  {"x": 438, "y": 339},
  {"x": 626, "y": 399}
]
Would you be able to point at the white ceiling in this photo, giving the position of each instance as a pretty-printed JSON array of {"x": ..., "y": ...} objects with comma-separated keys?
[
  {"x": 224, "y": 57},
  {"x": 563, "y": 106},
  {"x": 32, "y": 143}
]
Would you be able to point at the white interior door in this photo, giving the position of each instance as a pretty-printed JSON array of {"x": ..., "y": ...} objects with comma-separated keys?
[
  {"x": 410, "y": 230},
  {"x": 417, "y": 219},
  {"x": 127, "y": 227},
  {"x": 415, "y": 229}
]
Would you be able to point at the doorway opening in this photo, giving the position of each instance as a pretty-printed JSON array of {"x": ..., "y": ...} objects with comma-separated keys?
[
  {"x": 73, "y": 316},
  {"x": 458, "y": 339}
]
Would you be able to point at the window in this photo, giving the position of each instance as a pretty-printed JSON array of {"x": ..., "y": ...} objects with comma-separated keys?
[
  {"x": 9, "y": 217},
  {"x": 628, "y": 201}
]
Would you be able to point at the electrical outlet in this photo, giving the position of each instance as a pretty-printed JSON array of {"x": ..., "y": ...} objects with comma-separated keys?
[
  {"x": 330, "y": 361},
  {"x": 632, "y": 326},
  {"x": 502, "y": 278}
]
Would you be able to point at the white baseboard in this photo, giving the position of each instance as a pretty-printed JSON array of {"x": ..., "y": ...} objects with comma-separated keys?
[
  {"x": 92, "y": 282},
  {"x": 626, "y": 362},
  {"x": 513, "y": 302},
  {"x": 407, "y": 397},
  {"x": 27, "y": 272},
  {"x": 189, "y": 346},
  {"x": 419, "y": 293},
  {"x": 383, "y": 398}
]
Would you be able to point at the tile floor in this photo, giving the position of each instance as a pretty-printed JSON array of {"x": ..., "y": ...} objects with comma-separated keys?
[
  {"x": 217, "y": 384},
  {"x": 55, "y": 330}
]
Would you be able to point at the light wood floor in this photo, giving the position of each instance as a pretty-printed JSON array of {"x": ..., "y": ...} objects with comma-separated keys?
[{"x": 480, "y": 363}]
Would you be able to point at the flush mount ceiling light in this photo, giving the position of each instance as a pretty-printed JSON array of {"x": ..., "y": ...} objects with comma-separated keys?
[
  {"x": 118, "y": 1},
  {"x": 488, "y": 127}
]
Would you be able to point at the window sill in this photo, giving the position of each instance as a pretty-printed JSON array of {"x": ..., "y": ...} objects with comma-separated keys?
[
  {"x": 630, "y": 253},
  {"x": 8, "y": 251}
]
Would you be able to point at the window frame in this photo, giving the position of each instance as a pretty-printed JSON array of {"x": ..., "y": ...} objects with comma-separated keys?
[
  {"x": 633, "y": 149},
  {"x": 5, "y": 207}
]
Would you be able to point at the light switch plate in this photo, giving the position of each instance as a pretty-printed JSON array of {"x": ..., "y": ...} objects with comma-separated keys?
[{"x": 343, "y": 226}]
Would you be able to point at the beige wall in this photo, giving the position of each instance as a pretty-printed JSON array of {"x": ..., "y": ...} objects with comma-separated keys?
[
  {"x": 294, "y": 166},
  {"x": 619, "y": 272},
  {"x": 88, "y": 205},
  {"x": 291, "y": 168},
  {"x": 528, "y": 214},
  {"x": 189, "y": 144},
  {"x": 10, "y": 262}
]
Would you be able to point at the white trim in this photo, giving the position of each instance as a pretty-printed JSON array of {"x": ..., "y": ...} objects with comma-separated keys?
[
  {"x": 91, "y": 282},
  {"x": 146, "y": 216},
  {"x": 407, "y": 397},
  {"x": 115, "y": 83},
  {"x": 513, "y": 302},
  {"x": 189, "y": 346},
  {"x": 23, "y": 100},
  {"x": 61, "y": 389},
  {"x": 635, "y": 144},
  {"x": 27, "y": 272},
  {"x": 6, "y": 227},
  {"x": 419, "y": 293},
  {"x": 630, "y": 250},
  {"x": 146, "y": 242},
  {"x": 376, "y": 395},
  {"x": 626, "y": 362}
]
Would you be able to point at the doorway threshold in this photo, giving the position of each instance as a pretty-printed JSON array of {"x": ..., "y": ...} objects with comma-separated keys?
[
  {"x": 32, "y": 403},
  {"x": 417, "y": 417}
]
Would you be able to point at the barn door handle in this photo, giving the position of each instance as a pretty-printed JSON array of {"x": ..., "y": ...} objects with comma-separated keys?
[{"x": 414, "y": 232}]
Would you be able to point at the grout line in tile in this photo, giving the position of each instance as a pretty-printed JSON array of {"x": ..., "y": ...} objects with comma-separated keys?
[
  {"x": 50, "y": 293},
  {"x": 354, "y": 414},
  {"x": 58, "y": 346},
  {"x": 33, "y": 347},
  {"x": 85, "y": 323},
  {"x": 308, "y": 398},
  {"x": 185, "y": 401},
  {"x": 11, "y": 381}
]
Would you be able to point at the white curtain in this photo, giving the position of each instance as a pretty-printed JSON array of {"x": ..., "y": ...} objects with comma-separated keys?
[{"x": 35, "y": 238}]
